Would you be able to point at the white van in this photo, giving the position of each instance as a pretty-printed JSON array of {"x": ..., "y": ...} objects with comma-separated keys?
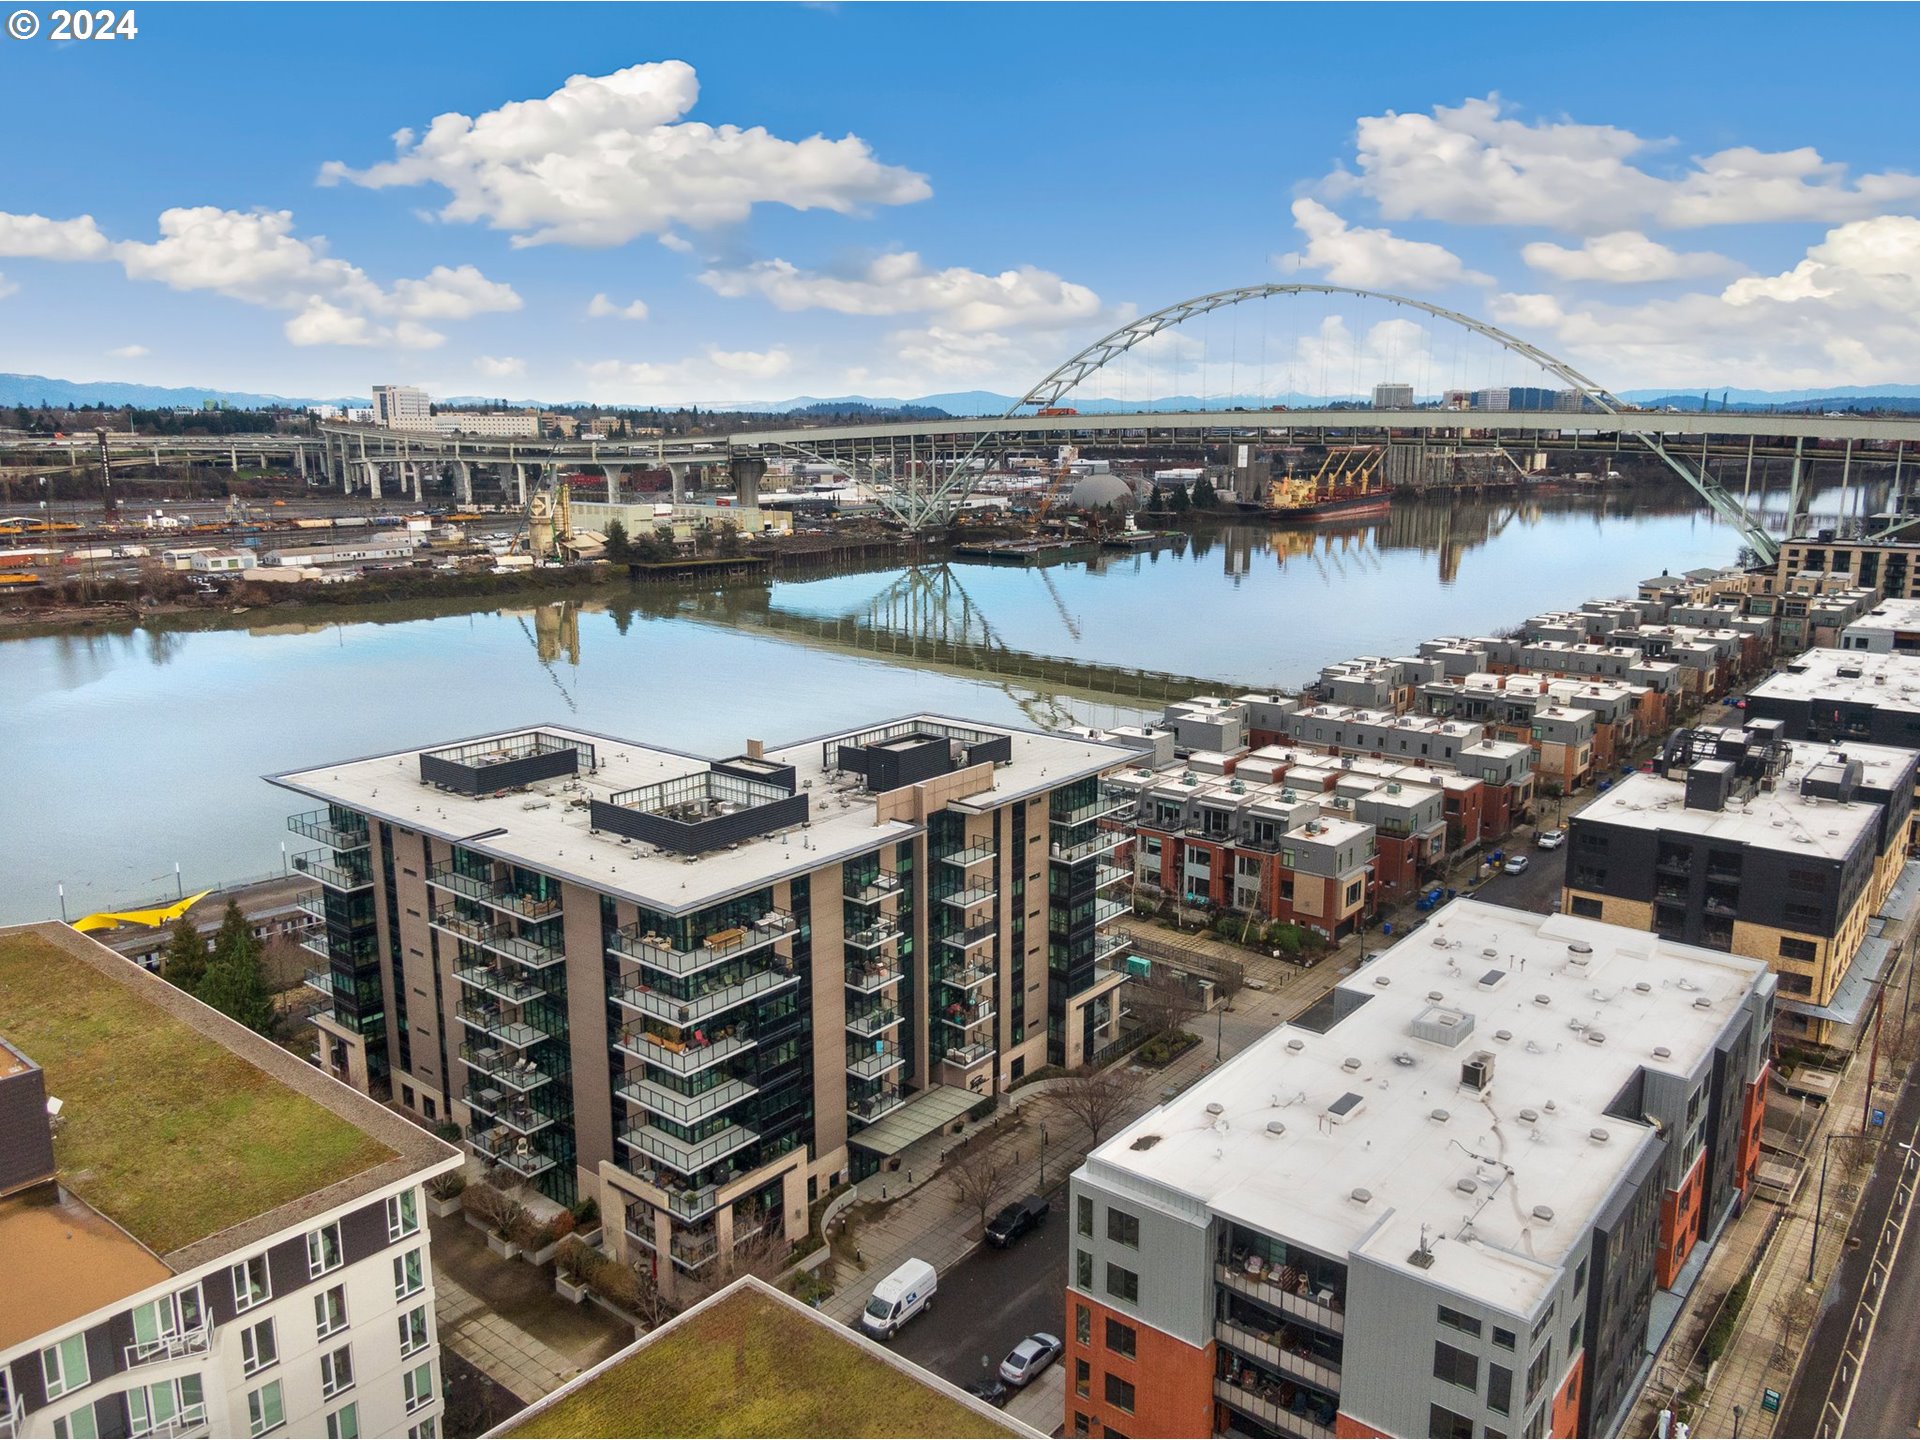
[{"x": 900, "y": 1297}]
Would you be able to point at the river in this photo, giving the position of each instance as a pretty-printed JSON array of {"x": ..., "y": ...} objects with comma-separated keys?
[{"x": 129, "y": 753}]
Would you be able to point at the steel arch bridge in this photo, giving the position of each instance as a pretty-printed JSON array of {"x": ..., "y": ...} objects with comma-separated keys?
[{"x": 934, "y": 496}]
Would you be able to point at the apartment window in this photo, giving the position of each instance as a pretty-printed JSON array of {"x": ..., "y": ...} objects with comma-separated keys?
[
  {"x": 336, "y": 1372},
  {"x": 1119, "y": 1394},
  {"x": 419, "y": 1386},
  {"x": 1540, "y": 1325},
  {"x": 1455, "y": 1320},
  {"x": 1499, "y": 1389},
  {"x": 1084, "y": 1207},
  {"x": 1456, "y": 1367},
  {"x": 323, "y": 1250},
  {"x": 1123, "y": 1229},
  {"x": 1573, "y": 1335},
  {"x": 1083, "y": 1269},
  {"x": 408, "y": 1276},
  {"x": 1587, "y": 906},
  {"x": 344, "y": 1423},
  {"x": 259, "y": 1347},
  {"x": 1537, "y": 1371},
  {"x": 1081, "y": 1425},
  {"x": 1121, "y": 1338},
  {"x": 1801, "y": 914},
  {"x": 1580, "y": 1279},
  {"x": 64, "y": 1366},
  {"x": 429, "y": 1107},
  {"x": 1443, "y": 1424},
  {"x": 79, "y": 1425},
  {"x": 250, "y": 1285},
  {"x": 1082, "y": 1325},
  {"x": 265, "y": 1409},
  {"x": 413, "y": 1331},
  {"x": 330, "y": 1311},
  {"x": 1123, "y": 1284},
  {"x": 1791, "y": 949},
  {"x": 403, "y": 1214},
  {"x": 1082, "y": 1379},
  {"x": 427, "y": 1429},
  {"x": 163, "y": 1408},
  {"x": 1503, "y": 1338}
]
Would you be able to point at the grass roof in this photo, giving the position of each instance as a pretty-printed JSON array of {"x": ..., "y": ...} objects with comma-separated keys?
[
  {"x": 744, "y": 1364},
  {"x": 165, "y": 1131}
]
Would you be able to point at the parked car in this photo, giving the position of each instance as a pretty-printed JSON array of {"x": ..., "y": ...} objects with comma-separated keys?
[
  {"x": 994, "y": 1392},
  {"x": 900, "y": 1297},
  {"x": 1516, "y": 865},
  {"x": 1550, "y": 839},
  {"x": 1014, "y": 1221},
  {"x": 1029, "y": 1358}
]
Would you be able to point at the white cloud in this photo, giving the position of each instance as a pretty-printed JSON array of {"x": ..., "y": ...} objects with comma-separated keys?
[
  {"x": 600, "y": 307},
  {"x": 1474, "y": 164},
  {"x": 752, "y": 364},
  {"x": 253, "y": 256},
  {"x": 901, "y": 284},
  {"x": 954, "y": 354},
  {"x": 694, "y": 377},
  {"x": 1370, "y": 259},
  {"x": 500, "y": 367},
  {"x": 7, "y": 287},
  {"x": 38, "y": 238},
  {"x": 1842, "y": 315},
  {"x": 1625, "y": 257},
  {"x": 130, "y": 352},
  {"x": 679, "y": 244},
  {"x": 606, "y": 158}
]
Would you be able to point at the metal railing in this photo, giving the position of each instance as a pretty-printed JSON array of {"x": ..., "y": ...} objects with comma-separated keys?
[
  {"x": 1277, "y": 1357},
  {"x": 871, "y": 892},
  {"x": 872, "y": 1066},
  {"x": 494, "y": 980},
  {"x": 973, "y": 894},
  {"x": 968, "y": 858},
  {"x": 655, "y": 951},
  {"x": 674, "y": 1011},
  {"x": 345, "y": 878},
  {"x": 1108, "y": 943},
  {"x": 311, "y": 902},
  {"x": 1105, "y": 910},
  {"x": 866, "y": 979},
  {"x": 515, "y": 1114},
  {"x": 875, "y": 935},
  {"x": 965, "y": 1017},
  {"x": 962, "y": 975},
  {"x": 517, "y": 1033},
  {"x": 1303, "y": 1307},
  {"x": 874, "y": 1106},
  {"x": 874, "y": 1022},
  {"x": 321, "y": 980},
  {"x": 318, "y": 825},
  {"x": 1105, "y": 875},
  {"x": 513, "y": 1151},
  {"x": 519, "y": 1075},
  {"x": 1099, "y": 844},
  {"x": 972, "y": 935},
  {"x": 675, "y": 1055},
  {"x": 168, "y": 1347},
  {"x": 967, "y": 1056},
  {"x": 1269, "y": 1412}
]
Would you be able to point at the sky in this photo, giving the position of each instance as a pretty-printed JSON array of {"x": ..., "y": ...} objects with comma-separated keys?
[{"x": 661, "y": 204}]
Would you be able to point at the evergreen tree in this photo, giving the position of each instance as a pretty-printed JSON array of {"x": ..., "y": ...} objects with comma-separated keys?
[
  {"x": 235, "y": 984},
  {"x": 184, "y": 962},
  {"x": 1204, "y": 497},
  {"x": 1180, "y": 498},
  {"x": 619, "y": 548}
]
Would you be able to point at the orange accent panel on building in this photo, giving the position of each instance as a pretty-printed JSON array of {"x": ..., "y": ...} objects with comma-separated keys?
[
  {"x": 1566, "y": 1401},
  {"x": 1172, "y": 1380},
  {"x": 1680, "y": 1215},
  {"x": 1348, "y": 1428},
  {"x": 1752, "y": 1116}
]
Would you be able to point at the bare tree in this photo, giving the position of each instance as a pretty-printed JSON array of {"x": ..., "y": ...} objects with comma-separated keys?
[
  {"x": 981, "y": 1178},
  {"x": 759, "y": 1248},
  {"x": 1097, "y": 1098},
  {"x": 1794, "y": 1309},
  {"x": 1163, "y": 1002}
]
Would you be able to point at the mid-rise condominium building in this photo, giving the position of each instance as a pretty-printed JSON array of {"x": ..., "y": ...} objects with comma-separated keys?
[
  {"x": 1747, "y": 842},
  {"x": 704, "y": 991},
  {"x": 1443, "y": 1201},
  {"x": 402, "y": 407},
  {"x": 199, "y": 1232},
  {"x": 1842, "y": 696}
]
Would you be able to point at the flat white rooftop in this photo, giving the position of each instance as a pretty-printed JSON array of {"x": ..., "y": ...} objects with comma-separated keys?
[
  {"x": 1887, "y": 679},
  {"x": 545, "y": 827},
  {"x": 1777, "y": 819},
  {"x": 1370, "y": 1106}
]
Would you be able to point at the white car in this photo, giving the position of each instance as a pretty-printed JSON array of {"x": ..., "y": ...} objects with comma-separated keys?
[
  {"x": 1516, "y": 865},
  {"x": 1029, "y": 1358},
  {"x": 1550, "y": 840}
]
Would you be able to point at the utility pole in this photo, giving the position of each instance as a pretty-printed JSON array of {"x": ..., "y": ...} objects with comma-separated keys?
[{"x": 109, "y": 507}]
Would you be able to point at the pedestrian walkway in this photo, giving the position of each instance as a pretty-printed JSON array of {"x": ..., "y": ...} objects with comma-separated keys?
[{"x": 495, "y": 1346}]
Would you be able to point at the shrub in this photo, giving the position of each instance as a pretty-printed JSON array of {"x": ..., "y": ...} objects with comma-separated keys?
[
  {"x": 586, "y": 1214},
  {"x": 523, "y": 1230},
  {"x": 445, "y": 1187},
  {"x": 1285, "y": 937},
  {"x": 491, "y": 1206},
  {"x": 573, "y": 1259},
  {"x": 448, "y": 1132}
]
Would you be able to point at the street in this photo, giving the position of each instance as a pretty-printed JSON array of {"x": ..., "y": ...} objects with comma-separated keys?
[{"x": 993, "y": 1300}]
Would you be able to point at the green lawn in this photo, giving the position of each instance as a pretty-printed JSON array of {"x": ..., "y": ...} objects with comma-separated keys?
[
  {"x": 167, "y": 1133},
  {"x": 749, "y": 1366}
]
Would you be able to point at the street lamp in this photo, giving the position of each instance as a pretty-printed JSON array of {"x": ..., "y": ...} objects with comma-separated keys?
[{"x": 1820, "y": 1200}]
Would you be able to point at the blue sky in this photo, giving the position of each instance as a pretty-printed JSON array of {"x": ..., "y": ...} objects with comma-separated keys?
[{"x": 1666, "y": 196}]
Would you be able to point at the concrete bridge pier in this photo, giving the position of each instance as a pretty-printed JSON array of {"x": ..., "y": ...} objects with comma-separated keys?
[
  {"x": 300, "y": 461},
  {"x": 614, "y": 476},
  {"x": 233, "y": 459},
  {"x": 464, "y": 469},
  {"x": 679, "y": 474},
  {"x": 372, "y": 468},
  {"x": 520, "y": 479}
]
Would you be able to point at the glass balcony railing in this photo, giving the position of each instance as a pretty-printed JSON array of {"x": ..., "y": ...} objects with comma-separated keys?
[
  {"x": 872, "y": 1107},
  {"x": 509, "y": 1113},
  {"x": 658, "y": 953},
  {"x": 965, "y": 1017},
  {"x": 498, "y": 980},
  {"x": 675, "y": 1011},
  {"x": 974, "y": 894},
  {"x": 972, "y": 936},
  {"x": 964, "y": 976},
  {"x": 967, "y": 1056},
  {"x": 871, "y": 891},
  {"x": 971, "y": 856},
  {"x": 503, "y": 1068},
  {"x": 882, "y": 1060},
  {"x": 318, "y": 825},
  {"x": 688, "y": 1157},
  {"x": 874, "y": 1022},
  {"x": 868, "y": 978},
  {"x": 312, "y": 902},
  {"x": 680, "y": 1056},
  {"x": 495, "y": 893},
  {"x": 881, "y": 932},
  {"x": 346, "y": 878},
  {"x": 1065, "y": 815},
  {"x": 1102, "y": 843},
  {"x": 1105, "y": 909},
  {"x": 321, "y": 980},
  {"x": 659, "y": 1099},
  {"x": 507, "y": 1029},
  {"x": 1105, "y": 875},
  {"x": 1109, "y": 943},
  {"x": 503, "y": 1147}
]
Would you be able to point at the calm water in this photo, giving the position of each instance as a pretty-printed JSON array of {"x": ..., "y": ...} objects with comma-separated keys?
[{"x": 125, "y": 754}]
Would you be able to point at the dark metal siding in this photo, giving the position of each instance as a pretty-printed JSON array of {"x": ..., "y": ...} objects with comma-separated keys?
[
  {"x": 26, "y": 1139},
  {"x": 702, "y": 836}
]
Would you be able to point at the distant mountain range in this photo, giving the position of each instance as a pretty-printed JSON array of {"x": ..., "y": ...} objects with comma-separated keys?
[{"x": 30, "y": 390}]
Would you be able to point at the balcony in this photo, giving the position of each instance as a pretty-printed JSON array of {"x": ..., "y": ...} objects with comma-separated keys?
[
  {"x": 976, "y": 893},
  {"x": 965, "y": 1017},
  {"x": 497, "y": 980},
  {"x": 657, "y": 952},
  {"x": 1313, "y": 1308},
  {"x": 515, "y": 1152},
  {"x": 1276, "y": 1357},
  {"x": 1101, "y": 844},
  {"x": 317, "y": 943},
  {"x": 874, "y": 1022},
  {"x": 873, "y": 891},
  {"x": 1270, "y": 1412},
  {"x": 1109, "y": 943},
  {"x": 884, "y": 1060},
  {"x": 318, "y": 825},
  {"x": 688, "y": 1157},
  {"x": 968, "y": 1056},
  {"x": 1090, "y": 810},
  {"x": 190, "y": 1421},
  {"x": 881, "y": 932},
  {"x": 684, "y": 1109},
  {"x": 311, "y": 902},
  {"x": 874, "y": 1106},
  {"x": 515, "y": 1115},
  {"x": 499, "y": 1068},
  {"x": 508, "y": 1031},
  {"x": 168, "y": 1347},
  {"x": 972, "y": 936},
  {"x": 965, "y": 975},
  {"x": 495, "y": 893},
  {"x": 1105, "y": 875},
  {"x": 355, "y": 875},
  {"x": 674, "y": 1011},
  {"x": 973, "y": 855},
  {"x": 677, "y": 1055},
  {"x": 693, "y": 1248},
  {"x": 1680, "y": 865},
  {"x": 321, "y": 980},
  {"x": 497, "y": 937},
  {"x": 867, "y": 979},
  {"x": 1105, "y": 910}
]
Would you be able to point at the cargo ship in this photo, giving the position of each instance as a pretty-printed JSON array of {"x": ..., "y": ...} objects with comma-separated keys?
[{"x": 1344, "y": 488}]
